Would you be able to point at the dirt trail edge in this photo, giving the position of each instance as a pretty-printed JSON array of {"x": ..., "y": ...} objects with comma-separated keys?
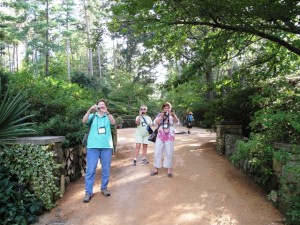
[{"x": 206, "y": 189}]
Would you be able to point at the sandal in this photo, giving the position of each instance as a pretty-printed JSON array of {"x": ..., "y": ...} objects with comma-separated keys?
[{"x": 153, "y": 173}]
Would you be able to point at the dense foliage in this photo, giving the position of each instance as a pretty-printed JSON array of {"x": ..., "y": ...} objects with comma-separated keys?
[
  {"x": 34, "y": 167},
  {"x": 13, "y": 118},
  {"x": 18, "y": 203},
  {"x": 28, "y": 184},
  {"x": 276, "y": 120},
  {"x": 279, "y": 119}
]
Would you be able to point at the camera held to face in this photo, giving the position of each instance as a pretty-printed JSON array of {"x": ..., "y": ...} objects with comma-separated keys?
[
  {"x": 98, "y": 108},
  {"x": 166, "y": 113}
]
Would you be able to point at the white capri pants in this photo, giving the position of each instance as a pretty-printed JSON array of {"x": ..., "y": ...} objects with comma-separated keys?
[{"x": 163, "y": 147}]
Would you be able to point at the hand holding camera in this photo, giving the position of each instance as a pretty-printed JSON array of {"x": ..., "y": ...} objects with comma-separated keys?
[{"x": 99, "y": 108}]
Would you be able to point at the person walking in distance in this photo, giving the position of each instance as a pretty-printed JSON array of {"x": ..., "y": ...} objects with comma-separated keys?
[
  {"x": 99, "y": 146},
  {"x": 142, "y": 134},
  {"x": 165, "y": 139},
  {"x": 189, "y": 121}
]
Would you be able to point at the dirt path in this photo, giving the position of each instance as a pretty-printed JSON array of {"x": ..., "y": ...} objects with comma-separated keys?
[{"x": 205, "y": 190}]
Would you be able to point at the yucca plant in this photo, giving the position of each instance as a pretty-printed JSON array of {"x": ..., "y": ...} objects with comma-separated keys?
[{"x": 12, "y": 114}]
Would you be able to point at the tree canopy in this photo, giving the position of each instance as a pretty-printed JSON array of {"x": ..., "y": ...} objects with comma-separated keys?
[{"x": 276, "y": 21}]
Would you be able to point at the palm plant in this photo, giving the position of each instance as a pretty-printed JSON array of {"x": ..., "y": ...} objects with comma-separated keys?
[{"x": 12, "y": 110}]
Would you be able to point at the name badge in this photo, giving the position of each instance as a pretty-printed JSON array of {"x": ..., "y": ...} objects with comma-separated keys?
[
  {"x": 143, "y": 124},
  {"x": 101, "y": 130}
]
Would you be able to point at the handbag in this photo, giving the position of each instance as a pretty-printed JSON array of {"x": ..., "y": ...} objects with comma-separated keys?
[
  {"x": 85, "y": 137},
  {"x": 149, "y": 129},
  {"x": 84, "y": 140},
  {"x": 152, "y": 137}
]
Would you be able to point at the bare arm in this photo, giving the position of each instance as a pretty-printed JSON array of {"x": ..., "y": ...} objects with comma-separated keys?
[{"x": 86, "y": 116}]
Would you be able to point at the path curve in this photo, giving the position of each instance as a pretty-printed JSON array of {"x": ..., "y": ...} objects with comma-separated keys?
[{"x": 205, "y": 190}]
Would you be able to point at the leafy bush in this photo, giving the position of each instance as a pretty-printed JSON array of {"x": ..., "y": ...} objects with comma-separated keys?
[
  {"x": 235, "y": 105},
  {"x": 279, "y": 118},
  {"x": 119, "y": 120},
  {"x": 58, "y": 106},
  {"x": 34, "y": 167},
  {"x": 13, "y": 120},
  {"x": 258, "y": 154},
  {"x": 293, "y": 215},
  {"x": 18, "y": 204}
]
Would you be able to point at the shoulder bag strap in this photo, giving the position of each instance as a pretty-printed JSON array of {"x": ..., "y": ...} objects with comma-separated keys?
[
  {"x": 90, "y": 124},
  {"x": 144, "y": 120}
]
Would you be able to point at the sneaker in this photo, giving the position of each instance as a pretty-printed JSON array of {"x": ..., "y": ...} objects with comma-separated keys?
[
  {"x": 189, "y": 132},
  {"x": 145, "y": 161},
  {"x": 105, "y": 192},
  {"x": 134, "y": 162},
  {"x": 87, "y": 198}
]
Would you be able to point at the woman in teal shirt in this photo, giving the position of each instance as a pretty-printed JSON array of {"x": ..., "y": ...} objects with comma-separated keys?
[{"x": 99, "y": 146}]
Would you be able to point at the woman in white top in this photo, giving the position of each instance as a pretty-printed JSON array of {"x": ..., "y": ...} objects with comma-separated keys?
[{"x": 142, "y": 134}]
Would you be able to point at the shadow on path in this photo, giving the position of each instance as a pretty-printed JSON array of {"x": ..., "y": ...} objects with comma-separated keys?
[{"x": 206, "y": 189}]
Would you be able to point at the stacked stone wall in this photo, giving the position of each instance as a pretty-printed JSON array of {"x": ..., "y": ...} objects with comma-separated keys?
[
  {"x": 287, "y": 175},
  {"x": 224, "y": 128}
]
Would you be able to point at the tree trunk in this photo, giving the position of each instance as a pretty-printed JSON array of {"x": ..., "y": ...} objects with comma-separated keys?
[
  {"x": 209, "y": 81},
  {"x": 99, "y": 59},
  {"x": 68, "y": 59},
  {"x": 114, "y": 56},
  {"x": 89, "y": 51},
  {"x": 47, "y": 55}
]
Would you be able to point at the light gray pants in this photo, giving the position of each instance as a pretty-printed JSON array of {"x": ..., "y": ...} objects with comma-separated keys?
[{"x": 163, "y": 147}]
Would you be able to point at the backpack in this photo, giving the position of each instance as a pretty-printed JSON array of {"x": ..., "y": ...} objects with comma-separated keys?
[{"x": 190, "y": 118}]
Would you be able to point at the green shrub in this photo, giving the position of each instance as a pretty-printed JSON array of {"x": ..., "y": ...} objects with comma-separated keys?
[
  {"x": 235, "y": 105},
  {"x": 119, "y": 120},
  {"x": 279, "y": 118},
  {"x": 18, "y": 204},
  {"x": 13, "y": 118},
  {"x": 293, "y": 214},
  {"x": 258, "y": 154},
  {"x": 58, "y": 106},
  {"x": 34, "y": 167}
]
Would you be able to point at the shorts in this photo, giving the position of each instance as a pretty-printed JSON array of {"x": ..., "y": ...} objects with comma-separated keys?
[
  {"x": 189, "y": 125},
  {"x": 141, "y": 139}
]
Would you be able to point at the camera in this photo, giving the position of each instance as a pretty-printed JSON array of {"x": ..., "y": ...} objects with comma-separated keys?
[
  {"x": 98, "y": 108},
  {"x": 166, "y": 113}
]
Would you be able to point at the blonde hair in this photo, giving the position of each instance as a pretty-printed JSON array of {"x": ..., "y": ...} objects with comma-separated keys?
[{"x": 143, "y": 106}]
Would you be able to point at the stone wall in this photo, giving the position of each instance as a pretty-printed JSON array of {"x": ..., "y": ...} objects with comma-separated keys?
[
  {"x": 223, "y": 128},
  {"x": 287, "y": 175},
  {"x": 230, "y": 142},
  {"x": 74, "y": 165}
]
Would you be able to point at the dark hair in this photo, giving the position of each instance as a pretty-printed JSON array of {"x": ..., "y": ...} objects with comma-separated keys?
[
  {"x": 166, "y": 104},
  {"x": 102, "y": 100}
]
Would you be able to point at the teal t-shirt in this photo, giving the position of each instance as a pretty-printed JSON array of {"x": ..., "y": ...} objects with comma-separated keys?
[{"x": 100, "y": 132}]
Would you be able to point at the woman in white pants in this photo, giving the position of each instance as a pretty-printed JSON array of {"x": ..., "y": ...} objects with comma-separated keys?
[{"x": 165, "y": 139}]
